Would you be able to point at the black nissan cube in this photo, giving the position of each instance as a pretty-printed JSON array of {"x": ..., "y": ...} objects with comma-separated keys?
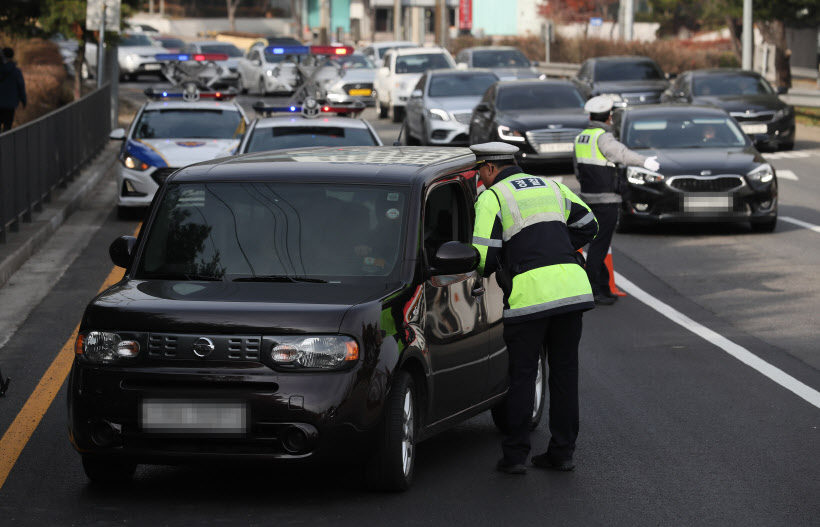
[{"x": 314, "y": 305}]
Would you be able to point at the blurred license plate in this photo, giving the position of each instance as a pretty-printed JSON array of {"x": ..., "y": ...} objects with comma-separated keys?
[
  {"x": 550, "y": 148},
  {"x": 707, "y": 203},
  {"x": 362, "y": 91},
  {"x": 153, "y": 66},
  {"x": 175, "y": 416},
  {"x": 754, "y": 128}
]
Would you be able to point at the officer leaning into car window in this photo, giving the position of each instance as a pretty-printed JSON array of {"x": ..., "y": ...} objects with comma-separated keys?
[
  {"x": 528, "y": 229},
  {"x": 596, "y": 152}
]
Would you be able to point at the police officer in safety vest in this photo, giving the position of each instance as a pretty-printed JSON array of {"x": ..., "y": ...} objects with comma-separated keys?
[
  {"x": 527, "y": 229},
  {"x": 596, "y": 152}
]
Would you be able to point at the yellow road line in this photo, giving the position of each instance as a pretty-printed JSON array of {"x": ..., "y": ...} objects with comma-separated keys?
[{"x": 20, "y": 431}]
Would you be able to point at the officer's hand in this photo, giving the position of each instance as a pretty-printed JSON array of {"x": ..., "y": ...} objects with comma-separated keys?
[{"x": 652, "y": 164}]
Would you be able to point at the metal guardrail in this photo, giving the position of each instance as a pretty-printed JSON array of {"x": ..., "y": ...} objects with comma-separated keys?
[{"x": 40, "y": 156}]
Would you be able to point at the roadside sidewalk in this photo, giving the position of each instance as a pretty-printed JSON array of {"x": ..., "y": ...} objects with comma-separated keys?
[{"x": 21, "y": 245}]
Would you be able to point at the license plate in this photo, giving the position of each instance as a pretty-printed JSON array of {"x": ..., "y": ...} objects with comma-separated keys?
[
  {"x": 707, "y": 203},
  {"x": 550, "y": 148},
  {"x": 754, "y": 128},
  {"x": 149, "y": 67},
  {"x": 172, "y": 416},
  {"x": 362, "y": 91}
]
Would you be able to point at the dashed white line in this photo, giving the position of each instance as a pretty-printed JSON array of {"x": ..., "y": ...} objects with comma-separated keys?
[
  {"x": 740, "y": 353},
  {"x": 801, "y": 223}
]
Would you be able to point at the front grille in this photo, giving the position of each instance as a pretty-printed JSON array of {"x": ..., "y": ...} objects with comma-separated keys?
[
  {"x": 226, "y": 347},
  {"x": 706, "y": 183},
  {"x": 548, "y": 136},
  {"x": 758, "y": 117},
  {"x": 641, "y": 97},
  {"x": 358, "y": 86},
  {"x": 161, "y": 174},
  {"x": 463, "y": 117}
]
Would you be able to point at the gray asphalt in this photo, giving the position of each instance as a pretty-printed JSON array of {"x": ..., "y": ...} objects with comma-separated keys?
[{"x": 674, "y": 431}]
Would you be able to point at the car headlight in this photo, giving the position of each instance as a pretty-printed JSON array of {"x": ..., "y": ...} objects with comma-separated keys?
[
  {"x": 101, "y": 347},
  {"x": 508, "y": 134},
  {"x": 326, "y": 352},
  {"x": 639, "y": 176},
  {"x": 762, "y": 174},
  {"x": 438, "y": 115},
  {"x": 135, "y": 163},
  {"x": 269, "y": 73},
  {"x": 783, "y": 113},
  {"x": 133, "y": 57}
]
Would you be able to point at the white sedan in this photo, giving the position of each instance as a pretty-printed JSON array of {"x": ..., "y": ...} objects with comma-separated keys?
[{"x": 263, "y": 72}]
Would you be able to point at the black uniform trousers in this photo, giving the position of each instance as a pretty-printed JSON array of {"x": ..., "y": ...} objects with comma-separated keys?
[
  {"x": 6, "y": 119},
  {"x": 560, "y": 335},
  {"x": 607, "y": 216}
]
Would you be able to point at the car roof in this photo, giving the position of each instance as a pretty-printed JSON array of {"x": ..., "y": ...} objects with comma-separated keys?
[
  {"x": 451, "y": 71},
  {"x": 299, "y": 120},
  {"x": 392, "y": 43},
  {"x": 193, "y": 105},
  {"x": 674, "y": 110},
  {"x": 535, "y": 82},
  {"x": 419, "y": 50},
  {"x": 623, "y": 58},
  {"x": 724, "y": 71},
  {"x": 397, "y": 165},
  {"x": 492, "y": 48}
]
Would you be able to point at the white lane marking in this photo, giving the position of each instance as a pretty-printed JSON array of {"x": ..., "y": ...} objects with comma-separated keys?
[
  {"x": 740, "y": 353},
  {"x": 788, "y": 155},
  {"x": 801, "y": 223},
  {"x": 787, "y": 174}
]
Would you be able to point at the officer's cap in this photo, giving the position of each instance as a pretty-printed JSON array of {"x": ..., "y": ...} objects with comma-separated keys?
[
  {"x": 599, "y": 104},
  {"x": 495, "y": 151}
]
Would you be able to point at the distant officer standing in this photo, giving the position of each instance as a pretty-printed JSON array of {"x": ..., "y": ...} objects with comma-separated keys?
[
  {"x": 12, "y": 89},
  {"x": 527, "y": 229},
  {"x": 596, "y": 152}
]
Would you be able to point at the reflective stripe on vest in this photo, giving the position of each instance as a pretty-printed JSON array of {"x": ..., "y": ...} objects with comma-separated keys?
[
  {"x": 586, "y": 148},
  {"x": 518, "y": 221}
]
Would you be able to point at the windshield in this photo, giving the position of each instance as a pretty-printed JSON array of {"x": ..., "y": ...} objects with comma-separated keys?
[
  {"x": 136, "y": 40},
  {"x": 711, "y": 132},
  {"x": 535, "y": 96},
  {"x": 350, "y": 62},
  {"x": 172, "y": 124},
  {"x": 460, "y": 84},
  {"x": 231, "y": 231},
  {"x": 731, "y": 85},
  {"x": 228, "y": 49},
  {"x": 278, "y": 137},
  {"x": 500, "y": 58},
  {"x": 626, "y": 71},
  {"x": 421, "y": 63}
]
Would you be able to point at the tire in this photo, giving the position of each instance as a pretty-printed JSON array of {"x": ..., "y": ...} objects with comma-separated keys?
[
  {"x": 398, "y": 114},
  {"x": 499, "y": 411},
  {"x": 787, "y": 146},
  {"x": 260, "y": 87},
  {"x": 391, "y": 466},
  {"x": 107, "y": 471},
  {"x": 382, "y": 110},
  {"x": 765, "y": 226},
  {"x": 240, "y": 83}
]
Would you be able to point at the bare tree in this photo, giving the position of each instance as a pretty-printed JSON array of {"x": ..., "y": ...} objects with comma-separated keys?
[{"x": 232, "y": 5}]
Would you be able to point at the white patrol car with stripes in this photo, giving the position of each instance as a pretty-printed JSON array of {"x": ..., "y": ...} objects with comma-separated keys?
[{"x": 175, "y": 129}]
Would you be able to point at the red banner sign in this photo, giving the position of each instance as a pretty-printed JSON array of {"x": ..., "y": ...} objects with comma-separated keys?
[{"x": 465, "y": 15}]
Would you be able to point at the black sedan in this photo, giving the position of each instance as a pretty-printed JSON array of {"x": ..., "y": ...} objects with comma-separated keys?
[
  {"x": 628, "y": 80},
  {"x": 306, "y": 305},
  {"x": 541, "y": 118},
  {"x": 710, "y": 170},
  {"x": 747, "y": 96}
]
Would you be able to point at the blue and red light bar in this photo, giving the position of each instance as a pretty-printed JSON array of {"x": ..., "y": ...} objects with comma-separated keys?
[
  {"x": 297, "y": 108},
  {"x": 198, "y": 57},
  {"x": 309, "y": 50},
  {"x": 165, "y": 95}
]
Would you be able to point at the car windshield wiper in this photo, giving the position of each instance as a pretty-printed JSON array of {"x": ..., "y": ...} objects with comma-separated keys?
[
  {"x": 185, "y": 276},
  {"x": 278, "y": 278}
]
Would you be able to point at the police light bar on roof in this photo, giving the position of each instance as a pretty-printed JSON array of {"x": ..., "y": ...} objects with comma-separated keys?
[
  {"x": 309, "y": 50},
  {"x": 189, "y": 95},
  {"x": 311, "y": 108},
  {"x": 198, "y": 57}
]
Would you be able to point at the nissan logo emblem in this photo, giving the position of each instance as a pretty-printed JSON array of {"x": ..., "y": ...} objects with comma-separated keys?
[{"x": 203, "y": 347}]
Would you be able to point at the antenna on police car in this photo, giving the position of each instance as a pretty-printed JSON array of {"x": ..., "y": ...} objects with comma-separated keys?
[{"x": 397, "y": 142}]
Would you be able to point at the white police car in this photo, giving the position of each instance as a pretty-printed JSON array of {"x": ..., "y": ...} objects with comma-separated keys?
[{"x": 175, "y": 129}]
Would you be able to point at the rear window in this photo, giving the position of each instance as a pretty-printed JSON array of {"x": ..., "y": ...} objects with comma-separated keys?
[
  {"x": 279, "y": 137},
  {"x": 627, "y": 71}
]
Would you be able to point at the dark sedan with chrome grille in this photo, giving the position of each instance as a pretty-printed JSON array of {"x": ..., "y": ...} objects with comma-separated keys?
[
  {"x": 710, "y": 170},
  {"x": 747, "y": 96},
  {"x": 540, "y": 117}
]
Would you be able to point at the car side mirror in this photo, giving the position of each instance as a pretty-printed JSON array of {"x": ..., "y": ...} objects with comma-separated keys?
[
  {"x": 117, "y": 134},
  {"x": 482, "y": 107},
  {"x": 782, "y": 90},
  {"x": 454, "y": 258},
  {"x": 121, "y": 251},
  {"x": 416, "y": 94}
]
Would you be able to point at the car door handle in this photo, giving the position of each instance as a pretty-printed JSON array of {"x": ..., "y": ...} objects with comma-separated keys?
[{"x": 477, "y": 290}]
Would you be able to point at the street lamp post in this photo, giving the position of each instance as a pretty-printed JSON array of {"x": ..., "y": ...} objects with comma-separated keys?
[{"x": 747, "y": 34}]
